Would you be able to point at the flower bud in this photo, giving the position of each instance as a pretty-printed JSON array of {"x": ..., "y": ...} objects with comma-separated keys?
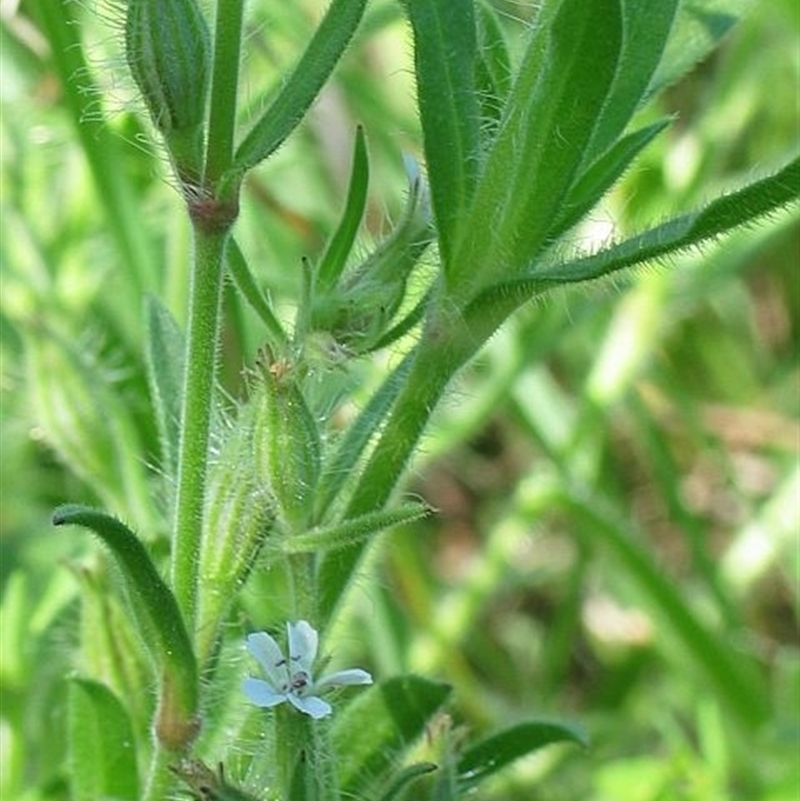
[
  {"x": 358, "y": 311},
  {"x": 238, "y": 518},
  {"x": 287, "y": 446},
  {"x": 168, "y": 48}
]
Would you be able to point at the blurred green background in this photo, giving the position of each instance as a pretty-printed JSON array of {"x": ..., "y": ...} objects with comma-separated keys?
[{"x": 617, "y": 475}]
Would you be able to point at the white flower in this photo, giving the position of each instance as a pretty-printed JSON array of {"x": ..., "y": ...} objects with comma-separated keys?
[{"x": 291, "y": 679}]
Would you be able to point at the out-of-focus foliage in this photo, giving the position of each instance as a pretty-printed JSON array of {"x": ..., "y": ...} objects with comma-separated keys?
[{"x": 616, "y": 476}]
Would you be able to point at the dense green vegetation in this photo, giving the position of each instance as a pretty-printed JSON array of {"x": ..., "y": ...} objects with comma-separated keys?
[{"x": 615, "y": 475}]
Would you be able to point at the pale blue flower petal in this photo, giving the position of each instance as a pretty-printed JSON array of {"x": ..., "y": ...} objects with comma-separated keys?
[
  {"x": 311, "y": 705},
  {"x": 261, "y": 694},
  {"x": 344, "y": 677},
  {"x": 302, "y": 645},
  {"x": 270, "y": 657}
]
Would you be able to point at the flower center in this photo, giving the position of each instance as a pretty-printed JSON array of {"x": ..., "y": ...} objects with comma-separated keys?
[{"x": 300, "y": 682}]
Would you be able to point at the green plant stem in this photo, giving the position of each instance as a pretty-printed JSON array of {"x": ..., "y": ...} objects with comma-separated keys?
[
  {"x": 447, "y": 345},
  {"x": 303, "y": 766},
  {"x": 224, "y": 81},
  {"x": 198, "y": 392}
]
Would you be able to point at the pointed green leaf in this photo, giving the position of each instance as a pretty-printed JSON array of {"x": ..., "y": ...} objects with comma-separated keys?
[
  {"x": 164, "y": 357},
  {"x": 246, "y": 284},
  {"x": 494, "y": 62},
  {"x": 499, "y": 750},
  {"x": 163, "y": 630},
  {"x": 746, "y": 205},
  {"x": 101, "y": 746},
  {"x": 601, "y": 175},
  {"x": 354, "y": 530},
  {"x": 559, "y": 92},
  {"x": 735, "y": 679},
  {"x": 721, "y": 215},
  {"x": 299, "y": 90},
  {"x": 445, "y": 47},
  {"x": 335, "y": 257},
  {"x": 371, "y": 734},
  {"x": 645, "y": 31}
]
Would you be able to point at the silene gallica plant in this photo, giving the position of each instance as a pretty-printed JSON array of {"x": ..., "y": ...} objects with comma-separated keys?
[{"x": 289, "y": 485}]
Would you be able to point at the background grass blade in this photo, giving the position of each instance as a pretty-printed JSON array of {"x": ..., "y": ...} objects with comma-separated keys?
[
  {"x": 164, "y": 358},
  {"x": 736, "y": 681}
]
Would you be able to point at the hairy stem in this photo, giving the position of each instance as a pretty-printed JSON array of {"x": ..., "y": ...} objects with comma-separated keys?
[
  {"x": 447, "y": 345},
  {"x": 198, "y": 393}
]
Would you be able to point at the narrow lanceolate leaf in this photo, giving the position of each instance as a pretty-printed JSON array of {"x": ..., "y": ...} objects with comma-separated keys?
[
  {"x": 645, "y": 31},
  {"x": 341, "y": 243},
  {"x": 743, "y": 206},
  {"x": 491, "y": 307},
  {"x": 373, "y": 732},
  {"x": 559, "y": 92},
  {"x": 355, "y": 530},
  {"x": 162, "y": 626},
  {"x": 722, "y": 215},
  {"x": 100, "y": 745},
  {"x": 600, "y": 176},
  {"x": 298, "y": 92},
  {"x": 497, "y": 751},
  {"x": 493, "y": 74},
  {"x": 445, "y": 47},
  {"x": 164, "y": 357},
  {"x": 246, "y": 284}
]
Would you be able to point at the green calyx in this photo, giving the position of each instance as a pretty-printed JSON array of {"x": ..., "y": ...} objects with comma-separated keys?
[
  {"x": 360, "y": 306},
  {"x": 168, "y": 49},
  {"x": 287, "y": 444}
]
